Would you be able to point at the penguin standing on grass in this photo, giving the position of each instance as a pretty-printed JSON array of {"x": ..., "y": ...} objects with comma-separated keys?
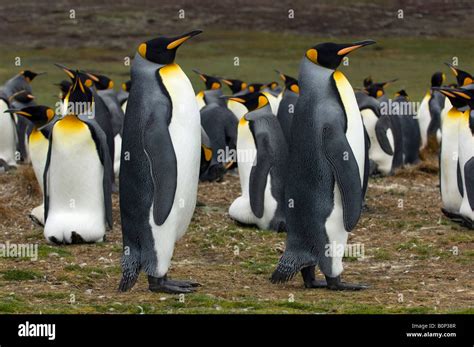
[
  {"x": 450, "y": 178},
  {"x": 77, "y": 174},
  {"x": 159, "y": 172},
  {"x": 286, "y": 107},
  {"x": 262, "y": 156},
  {"x": 326, "y": 170},
  {"x": 409, "y": 127},
  {"x": 429, "y": 113},
  {"x": 38, "y": 144}
]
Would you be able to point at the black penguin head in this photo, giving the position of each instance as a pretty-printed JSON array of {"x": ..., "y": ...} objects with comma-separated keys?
[
  {"x": 162, "y": 50},
  {"x": 255, "y": 87},
  {"x": 30, "y": 75},
  {"x": 235, "y": 85},
  {"x": 330, "y": 55},
  {"x": 64, "y": 87},
  {"x": 458, "y": 98},
  {"x": 402, "y": 92},
  {"x": 251, "y": 101},
  {"x": 38, "y": 114},
  {"x": 22, "y": 96},
  {"x": 273, "y": 85},
  {"x": 377, "y": 90},
  {"x": 438, "y": 79},
  {"x": 291, "y": 83},
  {"x": 101, "y": 82},
  {"x": 126, "y": 86},
  {"x": 79, "y": 99},
  {"x": 86, "y": 79},
  {"x": 367, "y": 81},
  {"x": 211, "y": 82},
  {"x": 463, "y": 78}
]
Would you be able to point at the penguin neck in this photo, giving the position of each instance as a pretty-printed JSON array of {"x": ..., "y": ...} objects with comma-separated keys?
[{"x": 316, "y": 79}]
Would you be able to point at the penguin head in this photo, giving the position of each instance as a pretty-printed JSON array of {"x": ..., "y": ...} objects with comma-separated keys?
[
  {"x": 101, "y": 82},
  {"x": 463, "y": 78},
  {"x": 126, "y": 86},
  {"x": 291, "y": 83},
  {"x": 367, "y": 81},
  {"x": 162, "y": 50},
  {"x": 211, "y": 82},
  {"x": 22, "y": 96},
  {"x": 273, "y": 85},
  {"x": 377, "y": 90},
  {"x": 79, "y": 99},
  {"x": 235, "y": 85},
  {"x": 402, "y": 92},
  {"x": 64, "y": 87},
  {"x": 30, "y": 75},
  {"x": 255, "y": 87},
  {"x": 330, "y": 55},
  {"x": 438, "y": 79},
  {"x": 251, "y": 101},
  {"x": 86, "y": 79},
  {"x": 38, "y": 114},
  {"x": 459, "y": 98}
]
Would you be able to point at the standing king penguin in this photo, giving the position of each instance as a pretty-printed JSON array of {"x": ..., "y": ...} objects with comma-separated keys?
[
  {"x": 286, "y": 106},
  {"x": 38, "y": 144},
  {"x": 159, "y": 171},
  {"x": 261, "y": 155},
  {"x": 77, "y": 173},
  {"x": 326, "y": 170}
]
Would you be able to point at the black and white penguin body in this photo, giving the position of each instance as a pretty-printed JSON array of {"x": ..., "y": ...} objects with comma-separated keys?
[
  {"x": 262, "y": 156},
  {"x": 77, "y": 174},
  {"x": 379, "y": 131},
  {"x": 158, "y": 184},
  {"x": 326, "y": 170}
]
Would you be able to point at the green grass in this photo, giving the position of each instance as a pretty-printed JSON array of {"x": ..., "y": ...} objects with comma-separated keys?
[
  {"x": 20, "y": 275},
  {"x": 412, "y": 60}
]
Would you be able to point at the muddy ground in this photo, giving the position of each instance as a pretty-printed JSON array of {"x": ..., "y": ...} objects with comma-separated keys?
[{"x": 415, "y": 260}]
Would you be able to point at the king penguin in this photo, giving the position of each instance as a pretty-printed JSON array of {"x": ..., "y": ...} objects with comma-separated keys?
[
  {"x": 450, "y": 180},
  {"x": 429, "y": 112},
  {"x": 213, "y": 92},
  {"x": 237, "y": 87},
  {"x": 77, "y": 179},
  {"x": 261, "y": 155},
  {"x": 286, "y": 107},
  {"x": 38, "y": 143},
  {"x": 409, "y": 127},
  {"x": 326, "y": 170},
  {"x": 380, "y": 134},
  {"x": 466, "y": 156},
  {"x": 158, "y": 184}
]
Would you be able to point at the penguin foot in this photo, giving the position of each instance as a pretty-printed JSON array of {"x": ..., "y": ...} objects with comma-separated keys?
[
  {"x": 163, "y": 285},
  {"x": 200, "y": 204},
  {"x": 453, "y": 216},
  {"x": 466, "y": 222},
  {"x": 36, "y": 220},
  {"x": 334, "y": 283},
  {"x": 309, "y": 278}
]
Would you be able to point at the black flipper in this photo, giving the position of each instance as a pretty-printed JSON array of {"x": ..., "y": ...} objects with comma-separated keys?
[
  {"x": 100, "y": 140},
  {"x": 346, "y": 171},
  {"x": 259, "y": 175},
  {"x": 469, "y": 181},
  {"x": 164, "y": 168},
  {"x": 366, "y": 165},
  {"x": 46, "y": 167},
  {"x": 383, "y": 124},
  {"x": 459, "y": 179}
]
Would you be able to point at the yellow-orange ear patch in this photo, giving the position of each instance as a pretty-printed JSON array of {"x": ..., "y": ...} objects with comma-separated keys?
[
  {"x": 251, "y": 89},
  {"x": 467, "y": 81},
  {"x": 262, "y": 101},
  {"x": 312, "y": 54},
  {"x": 295, "y": 88},
  {"x": 207, "y": 153},
  {"x": 244, "y": 85},
  {"x": 49, "y": 113},
  {"x": 215, "y": 85},
  {"x": 88, "y": 83},
  {"x": 111, "y": 84},
  {"x": 379, "y": 93},
  {"x": 142, "y": 50}
]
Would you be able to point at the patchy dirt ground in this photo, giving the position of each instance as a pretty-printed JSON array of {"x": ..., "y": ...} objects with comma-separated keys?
[{"x": 415, "y": 260}]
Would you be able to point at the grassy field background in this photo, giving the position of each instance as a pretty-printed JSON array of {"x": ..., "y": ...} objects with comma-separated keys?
[{"x": 410, "y": 259}]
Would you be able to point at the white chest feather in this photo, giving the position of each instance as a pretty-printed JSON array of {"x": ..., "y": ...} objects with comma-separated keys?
[{"x": 7, "y": 135}]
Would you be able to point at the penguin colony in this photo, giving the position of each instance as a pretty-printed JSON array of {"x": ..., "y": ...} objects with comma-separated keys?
[{"x": 303, "y": 153}]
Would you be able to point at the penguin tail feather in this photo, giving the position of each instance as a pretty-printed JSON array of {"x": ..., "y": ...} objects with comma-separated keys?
[{"x": 287, "y": 268}]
